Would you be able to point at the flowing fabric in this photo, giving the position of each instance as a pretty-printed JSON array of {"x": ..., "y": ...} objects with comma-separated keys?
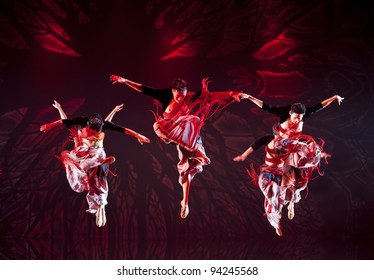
[
  {"x": 296, "y": 158},
  {"x": 304, "y": 156},
  {"x": 85, "y": 172},
  {"x": 191, "y": 162},
  {"x": 182, "y": 127},
  {"x": 275, "y": 196},
  {"x": 183, "y": 131}
]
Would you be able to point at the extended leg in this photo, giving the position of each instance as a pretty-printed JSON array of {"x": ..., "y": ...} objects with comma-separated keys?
[
  {"x": 269, "y": 184},
  {"x": 184, "y": 203},
  {"x": 101, "y": 216}
]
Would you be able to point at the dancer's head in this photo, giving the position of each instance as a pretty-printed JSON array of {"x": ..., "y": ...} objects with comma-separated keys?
[
  {"x": 95, "y": 122},
  {"x": 297, "y": 112},
  {"x": 179, "y": 90}
]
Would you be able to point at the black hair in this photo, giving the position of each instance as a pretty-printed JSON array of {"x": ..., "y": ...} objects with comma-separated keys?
[
  {"x": 95, "y": 122},
  {"x": 298, "y": 108},
  {"x": 179, "y": 84}
]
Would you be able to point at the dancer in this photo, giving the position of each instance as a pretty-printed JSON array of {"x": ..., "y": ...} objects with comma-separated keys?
[
  {"x": 290, "y": 159},
  {"x": 87, "y": 165},
  {"x": 183, "y": 116},
  {"x": 283, "y": 112},
  {"x": 76, "y": 130}
]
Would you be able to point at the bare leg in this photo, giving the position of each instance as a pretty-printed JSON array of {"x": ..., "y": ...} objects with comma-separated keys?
[
  {"x": 104, "y": 215},
  {"x": 244, "y": 155},
  {"x": 279, "y": 231},
  {"x": 291, "y": 210},
  {"x": 288, "y": 182},
  {"x": 270, "y": 187},
  {"x": 101, "y": 216},
  {"x": 184, "y": 203}
]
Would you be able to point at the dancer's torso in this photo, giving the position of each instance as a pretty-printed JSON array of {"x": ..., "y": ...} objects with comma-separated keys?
[{"x": 92, "y": 138}]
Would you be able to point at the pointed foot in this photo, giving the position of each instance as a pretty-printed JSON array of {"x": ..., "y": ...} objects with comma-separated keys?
[
  {"x": 291, "y": 211},
  {"x": 101, "y": 216},
  {"x": 109, "y": 160},
  {"x": 279, "y": 231},
  {"x": 184, "y": 210}
]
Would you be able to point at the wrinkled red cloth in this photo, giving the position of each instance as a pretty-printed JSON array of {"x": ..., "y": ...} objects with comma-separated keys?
[
  {"x": 85, "y": 171},
  {"x": 182, "y": 127},
  {"x": 296, "y": 159}
]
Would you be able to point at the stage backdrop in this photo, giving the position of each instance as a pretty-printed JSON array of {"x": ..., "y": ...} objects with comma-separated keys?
[{"x": 279, "y": 51}]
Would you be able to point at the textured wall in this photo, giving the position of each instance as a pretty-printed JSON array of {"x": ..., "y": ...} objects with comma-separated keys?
[{"x": 279, "y": 51}]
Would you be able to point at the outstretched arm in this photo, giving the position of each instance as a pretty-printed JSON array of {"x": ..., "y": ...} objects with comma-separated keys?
[
  {"x": 328, "y": 101},
  {"x": 114, "y": 111},
  {"x": 237, "y": 95},
  {"x": 141, "y": 138},
  {"x": 256, "y": 101},
  {"x": 118, "y": 79},
  {"x": 59, "y": 108},
  {"x": 112, "y": 126},
  {"x": 221, "y": 94},
  {"x": 49, "y": 126},
  {"x": 244, "y": 155},
  {"x": 258, "y": 143},
  {"x": 81, "y": 121}
]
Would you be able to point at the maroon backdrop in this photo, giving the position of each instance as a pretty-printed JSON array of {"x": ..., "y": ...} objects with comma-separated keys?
[{"x": 279, "y": 51}]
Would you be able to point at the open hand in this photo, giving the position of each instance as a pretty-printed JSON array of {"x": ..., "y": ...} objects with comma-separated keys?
[
  {"x": 243, "y": 95},
  {"x": 142, "y": 139},
  {"x": 43, "y": 128},
  {"x": 339, "y": 99},
  {"x": 205, "y": 83},
  {"x": 118, "y": 108},
  {"x": 237, "y": 95},
  {"x": 117, "y": 79},
  {"x": 56, "y": 105},
  {"x": 239, "y": 158}
]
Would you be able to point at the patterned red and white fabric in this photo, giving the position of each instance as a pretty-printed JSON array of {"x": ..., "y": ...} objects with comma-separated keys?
[
  {"x": 84, "y": 172},
  {"x": 182, "y": 127},
  {"x": 297, "y": 159}
]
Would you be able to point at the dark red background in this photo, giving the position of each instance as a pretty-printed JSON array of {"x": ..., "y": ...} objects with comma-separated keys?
[{"x": 279, "y": 51}]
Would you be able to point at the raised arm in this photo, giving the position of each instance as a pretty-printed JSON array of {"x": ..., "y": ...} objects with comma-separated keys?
[
  {"x": 141, "y": 138},
  {"x": 59, "y": 108},
  {"x": 48, "y": 126},
  {"x": 328, "y": 101},
  {"x": 118, "y": 79},
  {"x": 114, "y": 111}
]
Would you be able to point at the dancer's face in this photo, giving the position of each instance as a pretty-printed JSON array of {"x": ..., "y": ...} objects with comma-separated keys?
[
  {"x": 179, "y": 94},
  {"x": 95, "y": 122},
  {"x": 296, "y": 118}
]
